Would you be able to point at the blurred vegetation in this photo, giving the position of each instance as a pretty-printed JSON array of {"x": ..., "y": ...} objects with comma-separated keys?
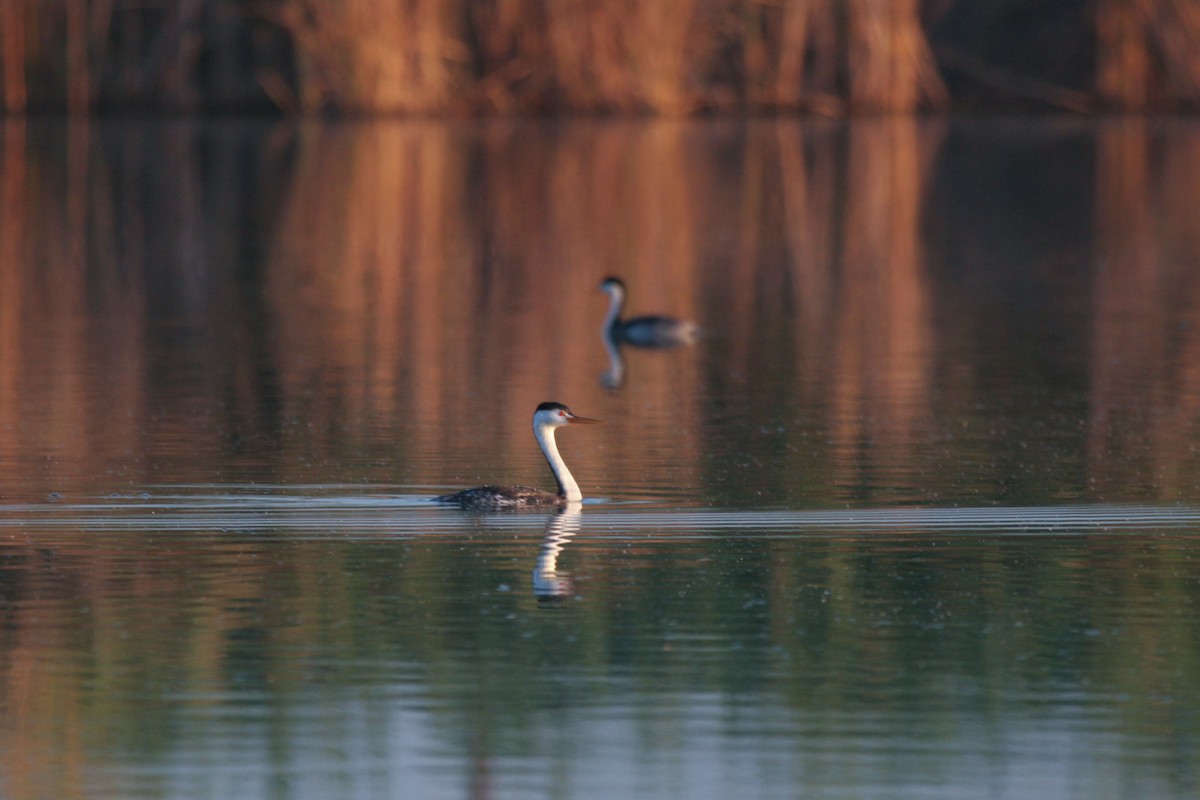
[{"x": 672, "y": 57}]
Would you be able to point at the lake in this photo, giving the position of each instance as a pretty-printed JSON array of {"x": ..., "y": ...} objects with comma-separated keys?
[{"x": 916, "y": 516}]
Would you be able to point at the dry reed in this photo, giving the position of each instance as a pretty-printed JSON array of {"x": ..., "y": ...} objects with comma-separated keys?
[
  {"x": 627, "y": 55},
  {"x": 13, "y": 21},
  {"x": 511, "y": 56},
  {"x": 667, "y": 58},
  {"x": 377, "y": 55},
  {"x": 1148, "y": 54},
  {"x": 890, "y": 66}
]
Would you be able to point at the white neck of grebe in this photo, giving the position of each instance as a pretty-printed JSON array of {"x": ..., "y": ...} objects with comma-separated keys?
[
  {"x": 568, "y": 489},
  {"x": 616, "y": 300}
]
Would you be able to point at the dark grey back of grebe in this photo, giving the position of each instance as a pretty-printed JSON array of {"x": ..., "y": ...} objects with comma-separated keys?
[
  {"x": 501, "y": 498},
  {"x": 653, "y": 330}
]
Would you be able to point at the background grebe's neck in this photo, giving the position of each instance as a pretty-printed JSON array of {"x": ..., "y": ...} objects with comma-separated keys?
[{"x": 568, "y": 489}]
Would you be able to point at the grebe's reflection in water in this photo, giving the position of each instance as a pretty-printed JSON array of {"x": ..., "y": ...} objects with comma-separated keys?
[
  {"x": 614, "y": 376},
  {"x": 549, "y": 585}
]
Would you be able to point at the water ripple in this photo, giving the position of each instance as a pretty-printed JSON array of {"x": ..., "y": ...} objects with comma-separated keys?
[{"x": 413, "y": 513}]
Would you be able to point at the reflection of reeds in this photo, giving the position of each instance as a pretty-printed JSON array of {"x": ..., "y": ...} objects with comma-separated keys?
[
  {"x": 15, "y": 231},
  {"x": 1144, "y": 392},
  {"x": 368, "y": 265},
  {"x": 882, "y": 366},
  {"x": 829, "y": 259},
  {"x": 425, "y": 330}
]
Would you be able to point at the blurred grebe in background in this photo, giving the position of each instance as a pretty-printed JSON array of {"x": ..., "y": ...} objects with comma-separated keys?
[{"x": 649, "y": 331}]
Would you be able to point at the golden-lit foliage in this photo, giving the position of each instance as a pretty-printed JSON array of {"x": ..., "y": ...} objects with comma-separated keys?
[
  {"x": 522, "y": 56},
  {"x": 377, "y": 55},
  {"x": 1148, "y": 54},
  {"x": 890, "y": 67},
  {"x": 589, "y": 55}
]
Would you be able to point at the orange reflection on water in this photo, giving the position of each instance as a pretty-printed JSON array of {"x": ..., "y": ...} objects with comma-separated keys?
[
  {"x": 388, "y": 301},
  {"x": 883, "y": 347},
  {"x": 460, "y": 299},
  {"x": 1144, "y": 414},
  {"x": 72, "y": 356}
]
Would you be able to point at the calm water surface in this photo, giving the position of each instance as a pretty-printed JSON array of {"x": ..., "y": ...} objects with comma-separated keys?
[{"x": 918, "y": 516}]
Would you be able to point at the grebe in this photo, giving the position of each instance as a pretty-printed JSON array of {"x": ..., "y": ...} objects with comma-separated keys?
[
  {"x": 654, "y": 331},
  {"x": 547, "y": 418}
]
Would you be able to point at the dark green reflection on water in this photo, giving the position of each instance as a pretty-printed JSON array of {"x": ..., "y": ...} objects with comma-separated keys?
[{"x": 914, "y": 659}]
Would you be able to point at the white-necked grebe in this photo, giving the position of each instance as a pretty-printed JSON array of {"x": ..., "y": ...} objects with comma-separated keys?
[{"x": 546, "y": 420}]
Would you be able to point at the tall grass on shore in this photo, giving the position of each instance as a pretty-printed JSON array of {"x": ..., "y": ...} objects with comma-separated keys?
[
  {"x": 78, "y": 55},
  {"x": 376, "y": 55},
  {"x": 672, "y": 57},
  {"x": 1148, "y": 53},
  {"x": 627, "y": 55},
  {"x": 889, "y": 64},
  {"x": 504, "y": 55},
  {"x": 683, "y": 56}
]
